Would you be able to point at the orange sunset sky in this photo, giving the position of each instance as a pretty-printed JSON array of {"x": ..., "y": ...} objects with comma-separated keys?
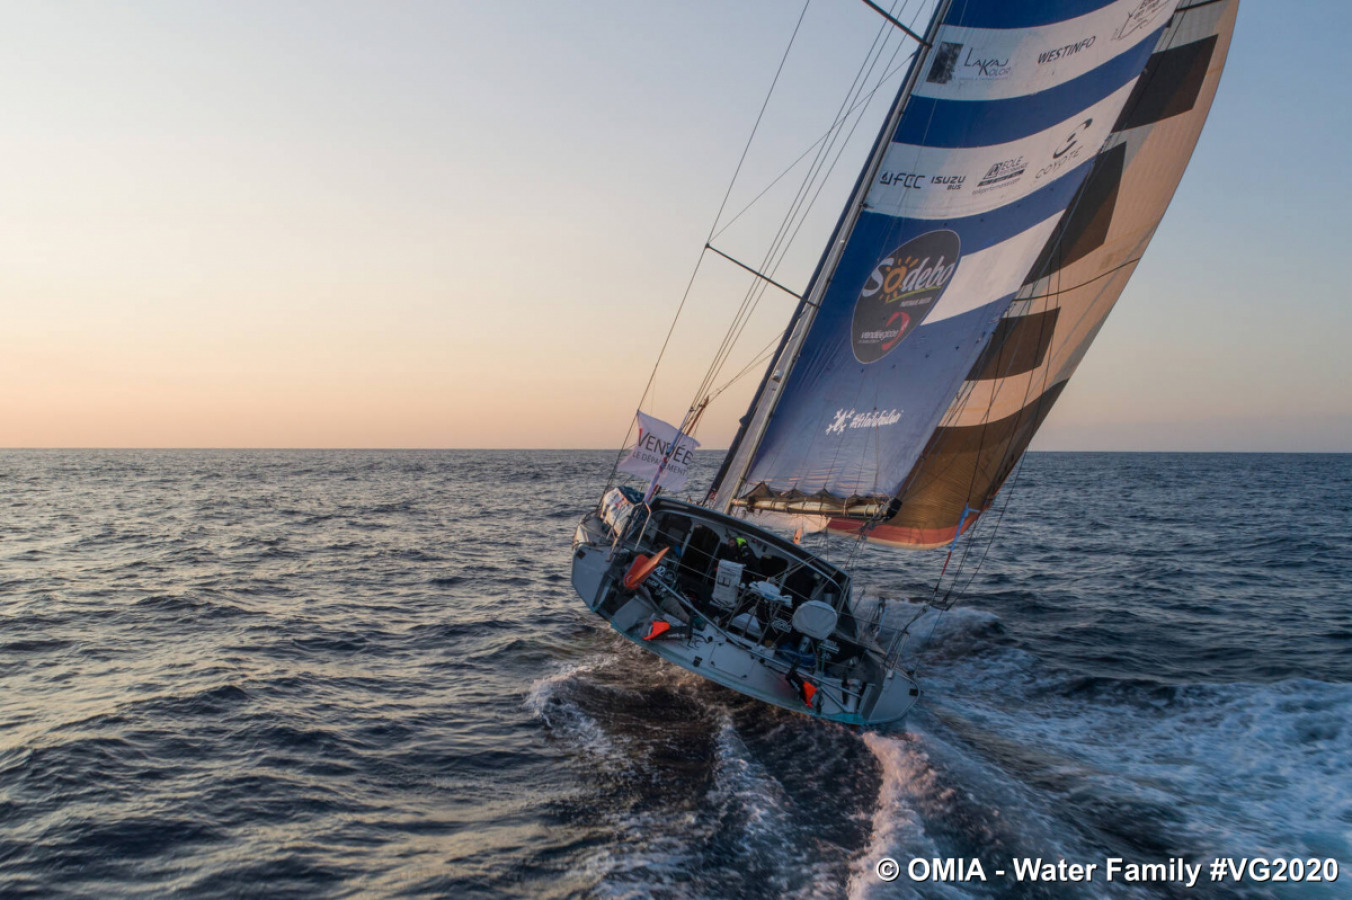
[{"x": 457, "y": 225}]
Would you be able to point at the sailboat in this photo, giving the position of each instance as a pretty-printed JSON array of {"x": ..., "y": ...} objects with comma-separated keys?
[{"x": 1028, "y": 157}]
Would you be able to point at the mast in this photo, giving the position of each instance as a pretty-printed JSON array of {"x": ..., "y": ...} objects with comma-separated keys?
[{"x": 728, "y": 481}]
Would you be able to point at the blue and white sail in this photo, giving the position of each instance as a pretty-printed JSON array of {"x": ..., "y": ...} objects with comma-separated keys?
[
  {"x": 1071, "y": 288},
  {"x": 990, "y": 141}
]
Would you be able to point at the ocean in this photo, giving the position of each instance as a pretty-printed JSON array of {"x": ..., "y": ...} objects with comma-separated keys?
[{"x": 365, "y": 674}]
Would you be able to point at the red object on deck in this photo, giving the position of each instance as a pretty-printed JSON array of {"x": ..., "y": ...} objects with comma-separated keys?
[
  {"x": 642, "y": 567},
  {"x": 658, "y": 629}
]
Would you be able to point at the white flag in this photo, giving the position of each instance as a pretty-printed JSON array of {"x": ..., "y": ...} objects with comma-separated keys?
[{"x": 654, "y": 440}]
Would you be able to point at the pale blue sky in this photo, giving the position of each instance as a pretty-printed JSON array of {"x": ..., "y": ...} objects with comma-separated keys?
[{"x": 468, "y": 224}]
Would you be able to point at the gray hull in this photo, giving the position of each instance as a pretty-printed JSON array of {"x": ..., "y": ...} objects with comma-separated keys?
[{"x": 749, "y": 641}]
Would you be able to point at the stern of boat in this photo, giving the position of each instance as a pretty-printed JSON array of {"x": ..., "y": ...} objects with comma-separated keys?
[{"x": 784, "y": 638}]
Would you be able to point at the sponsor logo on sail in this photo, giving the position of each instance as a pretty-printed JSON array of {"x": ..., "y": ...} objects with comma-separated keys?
[
  {"x": 849, "y": 418},
  {"x": 1002, "y": 174},
  {"x": 1140, "y": 17},
  {"x": 1047, "y": 56},
  {"x": 902, "y": 179},
  {"x": 985, "y": 67},
  {"x": 900, "y": 292},
  {"x": 1068, "y": 152},
  {"x": 945, "y": 61},
  {"x": 951, "y": 62},
  {"x": 915, "y": 181}
]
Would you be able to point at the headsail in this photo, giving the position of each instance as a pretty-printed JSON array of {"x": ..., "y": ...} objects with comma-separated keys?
[
  {"x": 1073, "y": 285},
  {"x": 1029, "y": 166}
]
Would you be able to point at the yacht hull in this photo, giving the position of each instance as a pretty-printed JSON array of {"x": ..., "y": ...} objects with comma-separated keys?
[{"x": 751, "y": 647}]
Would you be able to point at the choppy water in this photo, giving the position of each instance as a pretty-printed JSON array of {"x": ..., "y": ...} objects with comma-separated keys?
[{"x": 334, "y": 674}]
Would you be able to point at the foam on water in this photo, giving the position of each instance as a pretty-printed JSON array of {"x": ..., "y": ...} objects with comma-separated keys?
[
  {"x": 548, "y": 701},
  {"x": 1144, "y": 769},
  {"x": 1261, "y": 768},
  {"x": 898, "y": 827}
]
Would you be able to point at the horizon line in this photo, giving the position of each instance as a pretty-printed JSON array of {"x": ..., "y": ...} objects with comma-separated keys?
[{"x": 701, "y": 451}]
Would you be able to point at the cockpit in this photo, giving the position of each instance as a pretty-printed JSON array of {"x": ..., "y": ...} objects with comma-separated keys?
[{"x": 748, "y": 583}]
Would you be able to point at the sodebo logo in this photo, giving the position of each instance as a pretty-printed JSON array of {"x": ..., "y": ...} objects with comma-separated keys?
[{"x": 901, "y": 291}]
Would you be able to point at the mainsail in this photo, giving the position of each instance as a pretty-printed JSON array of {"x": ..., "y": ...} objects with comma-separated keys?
[{"x": 1029, "y": 157}]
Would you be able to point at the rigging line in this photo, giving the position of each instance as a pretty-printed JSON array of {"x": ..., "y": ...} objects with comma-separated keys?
[
  {"x": 793, "y": 165},
  {"x": 835, "y": 162},
  {"x": 888, "y": 16},
  {"x": 994, "y": 530},
  {"x": 1050, "y": 337},
  {"x": 756, "y": 291},
  {"x": 744, "y": 310},
  {"x": 847, "y": 109},
  {"x": 728, "y": 193},
  {"x": 981, "y": 444},
  {"x": 1037, "y": 414},
  {"x": 754, "y": 128},
  {"x": 1075, "y": 287},
  {"x": 949, "y": 600},
  {"x": 724, "y": 350},
  {"x": 648, "y": 387},
  {"x": 778, "y": 244},
  {"x": 716, "y": 370},
  {"x": 782, "y": 243},
  {"x": 842, "y": 117},
  {"x": 759, "y": 358},
  {"x": 762, "y": 277},
  {"x": 822, "y": 184},
  {"x": 754, "y": 297},
  {"x": 745, "y": 150},
  {"x": 842, "y": 114},
  {"x": 1009, "y": 494}
]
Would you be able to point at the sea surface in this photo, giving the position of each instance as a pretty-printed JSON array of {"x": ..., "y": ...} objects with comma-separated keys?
[{"x": 365, "y": 674}]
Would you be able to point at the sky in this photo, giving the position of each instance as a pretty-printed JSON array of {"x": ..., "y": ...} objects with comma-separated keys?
[{"x": 469, "y": 224}]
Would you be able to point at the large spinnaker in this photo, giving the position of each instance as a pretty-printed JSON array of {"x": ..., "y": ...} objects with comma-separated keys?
[
  {"x": 987, "y": 179},
  {"x": 1070, "y": 289}
]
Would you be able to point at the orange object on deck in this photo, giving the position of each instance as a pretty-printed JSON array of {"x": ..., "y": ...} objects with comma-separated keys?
[
  {"x": 658, "y": 629},
  {"x": 643, "y": 567},
  {"x": 809, "y": 691}
]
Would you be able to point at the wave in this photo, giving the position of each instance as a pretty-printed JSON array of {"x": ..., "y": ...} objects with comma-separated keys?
[
  {"x": 898, "y": 828},
  {"x": 1133, "y": 765},
  {"x": 551, "y": 701}
]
